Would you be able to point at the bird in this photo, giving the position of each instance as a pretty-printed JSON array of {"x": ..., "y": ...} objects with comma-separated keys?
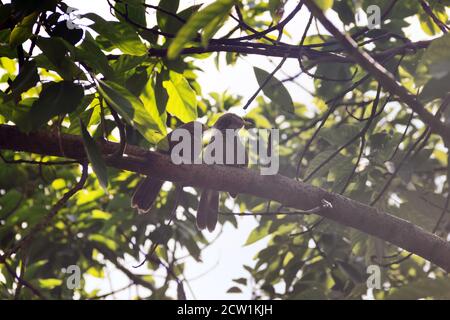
[
  {"x": 148, "y": 189},
  {"x": 208, "y": 207}
]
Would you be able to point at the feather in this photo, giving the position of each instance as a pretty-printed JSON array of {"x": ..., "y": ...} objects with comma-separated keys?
[{"x": 145, "y": 194}]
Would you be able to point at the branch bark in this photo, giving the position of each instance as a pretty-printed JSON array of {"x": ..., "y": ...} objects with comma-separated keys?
[{"x": 289, "y": 192}]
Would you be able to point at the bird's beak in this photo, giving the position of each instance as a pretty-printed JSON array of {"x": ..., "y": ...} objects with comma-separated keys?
[{"x": 248, "y": 124}]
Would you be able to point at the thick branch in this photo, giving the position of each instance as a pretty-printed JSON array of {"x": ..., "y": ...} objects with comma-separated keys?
[{"x": 289, "y": 192}]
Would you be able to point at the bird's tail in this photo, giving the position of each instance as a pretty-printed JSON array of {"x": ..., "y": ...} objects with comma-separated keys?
[
  {"x": 145, "y": 194},
  {"x": 208, "y": 210}
]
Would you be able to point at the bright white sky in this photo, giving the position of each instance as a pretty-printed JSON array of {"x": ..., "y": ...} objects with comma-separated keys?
[{"x": 222, "y": 261}]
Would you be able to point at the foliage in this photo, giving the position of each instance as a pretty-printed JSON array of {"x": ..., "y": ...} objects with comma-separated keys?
[{"x": 357, "y": 140}]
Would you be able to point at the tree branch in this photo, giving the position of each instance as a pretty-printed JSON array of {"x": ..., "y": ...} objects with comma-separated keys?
[
  {"x": 289, "y": 51},
  {"x": 289, "y": 192}
]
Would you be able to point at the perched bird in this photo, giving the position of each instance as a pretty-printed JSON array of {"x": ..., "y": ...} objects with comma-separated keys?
[
  {"x": 148, "y": 189},
  {"x": 208, "y": 207}
]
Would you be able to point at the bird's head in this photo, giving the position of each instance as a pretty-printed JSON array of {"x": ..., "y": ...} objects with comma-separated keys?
[{"x": 230, "y": 121}]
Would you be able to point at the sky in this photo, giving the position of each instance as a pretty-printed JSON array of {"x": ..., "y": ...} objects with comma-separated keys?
[{"x": 223, "y": 260}]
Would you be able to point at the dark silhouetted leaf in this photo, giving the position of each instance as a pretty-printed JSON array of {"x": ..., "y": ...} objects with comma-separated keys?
[
  {"x": 234, "y": 290},
  {"x": 72, "y": 36},
  {"x": 27, "y": 78},
  {"x": 23, "y": 30},
  {"x": 166, "y": 22},
  {"x": 56, "y": 98}
]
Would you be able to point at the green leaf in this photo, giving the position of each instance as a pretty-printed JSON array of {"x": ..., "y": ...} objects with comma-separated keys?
[
  {"x": 8, "y": 64},
  {"x": 126, "y": 62},
  {"x": 328, "y": 89},
  {"x": 134, "y": 10},
  {"x": 422, "y": 288},
  {"x": 198, "y": 21},
  {"x": 166, "y": 22},
  {"x": 9, "y": 200},
  {"x": 324, "y": 4},
  {"x": 59, "y": 184},
  {"x": 354, "y": 274},
  {"x": 435, "y": 89},
  {"x": 119, "y": 34},
  {"x": 161, "y": 94},
  {"x": 258, "y": 233},
  {"x": 23, "y": 30},
  {"x": 90, "y": 53},
  {"x": 436, "y": 58},
  {"x": 100, "y": 215},
  {"x": 318, "y": 161},
  {"x": 421, "y": 208},
  {"x": 148, "y": 98},
  {"x": 95, "y": 157},
  {"x": 96, "y": 272},
  {"x": 56, "y": 51},
  {"x": 131, "y": 109},
  {"x": 274, "y": 90},
  {"x": 56, "y": 98},
  {"x": 341, "y": 171},
  {"x": 276, "y": 8},
  {"x": 346, "y": 11},
  {"x": 211, "y": 28},
  {"x": 49, "y": 283},
  {"x": 182, "y": 101},
  {"x": 137, "y": 81},
  {"x": 110, "y": 244},
  {"x": 161, "y": 235},
  {"x": 18, "y": 113},
  {"x": 340, "y": 135},
  {"x": 27, "y": 78},
  {"x": 34, "y": 268},
  {"x": 427, "y": 23}
]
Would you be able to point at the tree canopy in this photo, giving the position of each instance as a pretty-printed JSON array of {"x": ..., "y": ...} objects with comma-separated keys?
[{"x": 364, "y": 168}]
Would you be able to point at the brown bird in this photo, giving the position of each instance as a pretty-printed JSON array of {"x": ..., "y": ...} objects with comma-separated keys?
[
  {"x": 208, "y": 207},
  {"x": 148, "y": 189}
]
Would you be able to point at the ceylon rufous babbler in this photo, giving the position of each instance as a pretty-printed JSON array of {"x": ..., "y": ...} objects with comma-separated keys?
[{"x": 148, "y": 189}]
